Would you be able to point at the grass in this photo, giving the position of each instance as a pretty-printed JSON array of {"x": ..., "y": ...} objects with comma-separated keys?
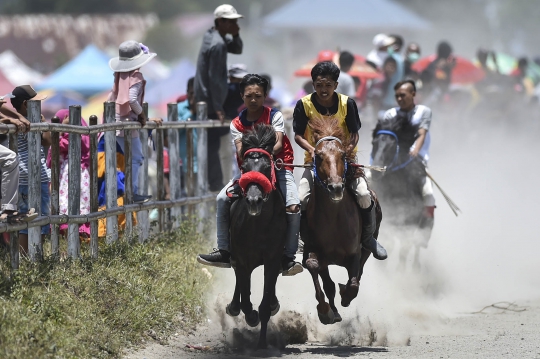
[{"x": 97, "y": 308}]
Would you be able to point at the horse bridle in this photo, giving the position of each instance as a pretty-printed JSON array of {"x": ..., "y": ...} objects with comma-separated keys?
[
  {"x": 390, "y": 167},
  {"x": 272, "y": 169},
  {"x": 324, "y": 184}
]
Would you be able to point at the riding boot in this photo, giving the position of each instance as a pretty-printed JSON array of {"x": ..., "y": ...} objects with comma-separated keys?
[
  {"x": 369, "y": 225},
  {"x": 289, "y": 266},
  {"x": 304, "y": 237},
  {"x": 426, "y": 224}
]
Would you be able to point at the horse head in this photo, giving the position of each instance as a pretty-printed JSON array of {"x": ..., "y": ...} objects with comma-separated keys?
[
  {"x": 391, "y": 143},
  {"x": 258, "y": 176},
  {"x": 330, "y": 162}
]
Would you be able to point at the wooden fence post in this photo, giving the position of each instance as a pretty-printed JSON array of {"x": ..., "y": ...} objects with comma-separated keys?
[
  {"x": 14, "y": 236},
  {"x": 128, "y": 183},
  {"x": 160, "y": 184},
  {"x": 111, "y": 172},
  {"x": 175, "y": 184},
  {"x": 202, "y": 159},
  {"x": 35, "y": 245},
  {"x": 190, "y": 166},
  {"x": 94, "y": 190},
  {"x": 142, "y": 216},
  {"x": 55, "y": 187},
  {"x": 74, "y": 182}
]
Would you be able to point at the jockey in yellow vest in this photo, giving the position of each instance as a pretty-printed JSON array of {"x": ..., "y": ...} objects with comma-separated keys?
[{"x": 326, "y": 103}]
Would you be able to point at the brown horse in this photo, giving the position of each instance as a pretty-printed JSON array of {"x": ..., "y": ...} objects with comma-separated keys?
[{"x": 334, "y": 224}]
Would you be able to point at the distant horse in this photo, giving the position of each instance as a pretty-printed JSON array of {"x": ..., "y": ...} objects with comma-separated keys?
[
  {"x": 398, "y": 188},
  {"x": 258, "y": 226},
  {"x": 334, "y": 226}
]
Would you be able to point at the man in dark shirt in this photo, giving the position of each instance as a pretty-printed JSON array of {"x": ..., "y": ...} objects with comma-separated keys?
[{"x": 211, "y": 80}]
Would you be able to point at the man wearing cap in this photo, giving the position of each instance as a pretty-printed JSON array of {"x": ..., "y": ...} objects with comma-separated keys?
[
  {"x": 21, "y": 95},
  {"x": 211, "y": 80},
  {"x": 377, "y": 56}
]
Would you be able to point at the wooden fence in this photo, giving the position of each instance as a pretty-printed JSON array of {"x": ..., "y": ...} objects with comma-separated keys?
[{"x": 196, "y": 184}]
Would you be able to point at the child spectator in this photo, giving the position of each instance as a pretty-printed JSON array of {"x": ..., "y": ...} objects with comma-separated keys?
[
  {"x": 128, "y": 93},
  {"x": 21, "y": 95},
  {"x": 84, "y": 229}
]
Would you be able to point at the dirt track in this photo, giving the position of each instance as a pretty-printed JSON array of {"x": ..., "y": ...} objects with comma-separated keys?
[{"x": 488, "y": 254}]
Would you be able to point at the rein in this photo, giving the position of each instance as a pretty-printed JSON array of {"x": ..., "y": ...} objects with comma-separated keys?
[
  {"x": 391, "y": 166},
  {"x": 324, "y": 184}
]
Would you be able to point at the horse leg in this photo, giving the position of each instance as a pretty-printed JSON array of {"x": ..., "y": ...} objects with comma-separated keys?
[
  {"x": 350, "y": 291},
  {"x": 330, "y": 291},
  {"x": 244, "y": 279},
  {"x": 271, "y": 272},
  {"x": 233, "y": 308},
  {"x": 416, "y": 262},
  {"x": 326, "y": 314}
]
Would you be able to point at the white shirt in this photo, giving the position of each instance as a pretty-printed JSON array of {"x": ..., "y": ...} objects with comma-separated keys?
[
  {"x": 420, "y": 117},
  {"x": 345, "y": 85},
  {"x": 277, "y": 123}
]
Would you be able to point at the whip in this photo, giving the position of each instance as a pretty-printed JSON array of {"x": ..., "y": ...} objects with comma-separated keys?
[
  {"x": 279, "y": 165},
  {"x": 452, "y": 204}
]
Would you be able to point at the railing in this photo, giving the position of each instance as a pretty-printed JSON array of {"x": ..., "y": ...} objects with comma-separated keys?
[{"x": 196, "y": 186}]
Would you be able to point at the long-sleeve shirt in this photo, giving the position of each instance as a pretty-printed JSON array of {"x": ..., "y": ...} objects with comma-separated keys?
[
  {"x": 211, "y": 76},
  {"x": 135, "y": 93}
]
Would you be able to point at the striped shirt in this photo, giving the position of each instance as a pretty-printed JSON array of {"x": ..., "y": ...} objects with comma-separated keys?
[{"x": 22, "y": 149}]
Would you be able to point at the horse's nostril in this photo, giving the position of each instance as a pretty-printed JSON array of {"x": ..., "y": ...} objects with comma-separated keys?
[{"x": 259, "y": 200}]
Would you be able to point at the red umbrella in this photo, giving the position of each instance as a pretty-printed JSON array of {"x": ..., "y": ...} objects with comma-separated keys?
[
  {"x": 464, "y": 72},
  {"x": 359, "y": 69}
]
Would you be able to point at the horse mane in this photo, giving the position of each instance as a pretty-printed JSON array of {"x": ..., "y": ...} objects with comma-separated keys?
[
  {"x": 323, "y": 127},
  {"x": 401, "y": 126},
  {"x": 262, "y": 136}
]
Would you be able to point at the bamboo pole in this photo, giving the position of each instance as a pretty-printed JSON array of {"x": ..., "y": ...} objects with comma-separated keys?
[
  {"x": 74, "y": 182},
  {"x": 142, "y": 216},
  {"x": 202, "y": 160},
  {"x": 175, "y": 184},
  {"x": 35, "y": 245},
  {"x": 160, "y": 186},
  {"x": 111, "y": 172},
  {"x": 128, "y": 182}
]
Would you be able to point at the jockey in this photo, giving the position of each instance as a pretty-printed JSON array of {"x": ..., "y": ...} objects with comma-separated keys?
[
  {"x": 419, "y": 116},
  {"x": 326, "y": 103},
  {"x": 254, "y": 90}
]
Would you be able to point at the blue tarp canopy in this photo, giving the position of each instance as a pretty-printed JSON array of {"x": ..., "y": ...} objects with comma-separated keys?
[
  {"x": 171, "y": 87},
  {"x": 345, "y": 14},
  {"x": 88, "y": 73}
]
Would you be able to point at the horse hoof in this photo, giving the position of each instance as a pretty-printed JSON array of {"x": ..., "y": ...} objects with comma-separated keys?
[
  {"x": 326, "y": 318},
  {"x": 253, "y": 319},
  {"x": 342, "y": 288},
  {"x": 274, "y": 309},
  {"x": 232, "y": 312},
  {"x": 337, "y": 317}
]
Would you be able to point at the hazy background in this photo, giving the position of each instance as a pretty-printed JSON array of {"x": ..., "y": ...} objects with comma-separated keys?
[{"x": 489, "y": 166}]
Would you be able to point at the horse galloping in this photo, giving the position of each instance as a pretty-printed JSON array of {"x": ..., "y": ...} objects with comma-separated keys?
[
  {"x": 334, "y": 223},
  {"x": 399, "y": 187},
  {"x": 258, "y": 226}
]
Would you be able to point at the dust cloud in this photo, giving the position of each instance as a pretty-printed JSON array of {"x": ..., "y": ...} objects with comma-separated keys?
[
  {"x": 487, "y": 254},
  {"x": 486, "y": 161}
]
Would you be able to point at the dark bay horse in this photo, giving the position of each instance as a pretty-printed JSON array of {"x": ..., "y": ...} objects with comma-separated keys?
[
  {"x": 398, "y": 188},
  {"x": 258, "y": 226},
  {"x": 334, "y": 225}
]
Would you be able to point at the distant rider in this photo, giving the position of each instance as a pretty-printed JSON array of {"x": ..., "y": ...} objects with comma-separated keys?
[{"x": 419, "y": 116}]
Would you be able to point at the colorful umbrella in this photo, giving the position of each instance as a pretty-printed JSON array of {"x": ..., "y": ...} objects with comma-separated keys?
[
  {"x": 465, "y": 72},
  {"x": 359, "y": 69}
]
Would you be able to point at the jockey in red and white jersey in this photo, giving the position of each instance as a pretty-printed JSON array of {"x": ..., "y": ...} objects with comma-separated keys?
[{"x": 254, "y": 90}]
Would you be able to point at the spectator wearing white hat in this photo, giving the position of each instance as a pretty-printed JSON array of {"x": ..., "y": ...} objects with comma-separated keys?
[
  {"x": 211, "y": 80},
  {"x": 377, "y": 56},
  {"x": 234, "y": 99}
]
